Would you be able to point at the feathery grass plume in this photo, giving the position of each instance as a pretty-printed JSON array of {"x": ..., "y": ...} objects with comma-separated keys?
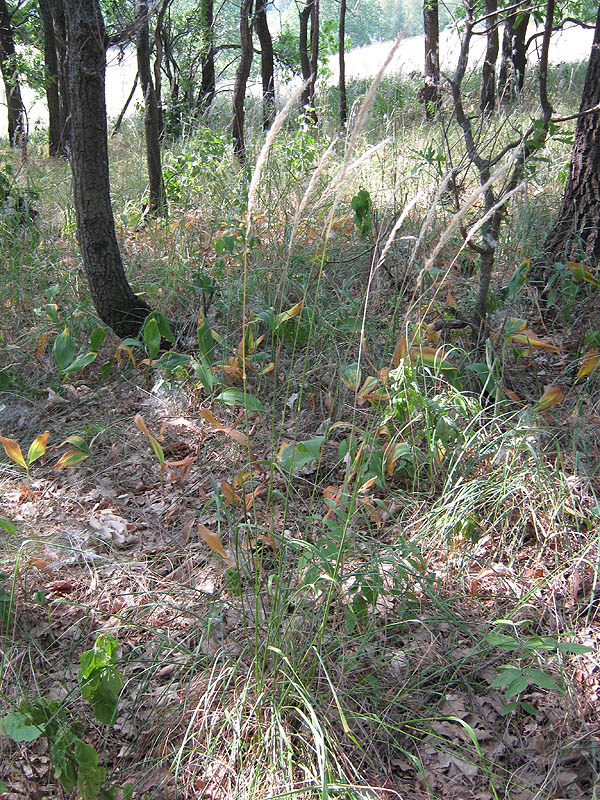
[{"x": 264, "y": 152}]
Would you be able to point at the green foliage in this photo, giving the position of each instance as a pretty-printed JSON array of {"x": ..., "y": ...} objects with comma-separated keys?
[
  {"x": 362, "y": 205},
  {"x": 100, "y": 679}
]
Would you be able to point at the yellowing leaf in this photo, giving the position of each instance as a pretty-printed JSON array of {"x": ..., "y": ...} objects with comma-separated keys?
[
  {"x": 450, "y": 301},
  {"x": 367, "y": 484},
  {"x": 124, "y": 348},
  {"x": 529, "y": 339},
  {"x": 41, "y": 344},
  {"x": 154, "y": 443},
  {"x": 516, "y": 325},
  {"x": 400, "y": 351},
  {"x": 589, "y": 362},
  {"x": 553, "y": 396},
  {"x": 13, "y": 451},
  {"x": 289, "y": 314},
  {"x": 432, "y": 334},
  {"x": 70, "y": 458},
  {"x": 232, "y": 432},
  {"x": 37, "y": 447},
  {"x": 580, "y": 272},
  {"x": 433, "y": 357},
  {"x": 229, "y": 494},
  {"x": 212, "y": 540}
]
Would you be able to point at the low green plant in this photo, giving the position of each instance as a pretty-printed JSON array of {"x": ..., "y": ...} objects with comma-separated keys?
[{"x": 75, "y": 762}]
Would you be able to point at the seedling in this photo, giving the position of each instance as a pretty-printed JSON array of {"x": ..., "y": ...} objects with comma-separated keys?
[{"x": 36, "y": 450}]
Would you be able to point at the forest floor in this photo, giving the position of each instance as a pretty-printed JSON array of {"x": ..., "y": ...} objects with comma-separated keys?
[{"x": 361, "y": 572}]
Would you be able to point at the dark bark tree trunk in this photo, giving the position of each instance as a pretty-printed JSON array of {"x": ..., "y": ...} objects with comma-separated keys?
[
  {"x": 208, "y": 81},
  {"x": 430, "y": 93},
  {"x": 487, "y": 101},
  {"x": 51, "y": 66},
  {"x": 267, "y": 71},
  {"x": 115, "y": 301},
  {"x": 309, "y": 56},
  {"x": 514, "y": 58},
  {"x": 60, "y": 43},
  {"x": 577, "y": 229},
  {"x": 342, "y": 63},
  {"x": 17, "y": 128},
  {"x": 157, "y": 202},
  {"x": 157, "y": 67},
  {"x": 241, "y": 79}
]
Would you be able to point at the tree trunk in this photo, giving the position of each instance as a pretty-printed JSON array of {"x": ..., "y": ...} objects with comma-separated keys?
[
  {"x": 514, "y": 57},
  {"x": 430, "y": 94},
  {"x": 208, "y": 81},
  {"x": 266, "y": 63},
  {"x": 51, "y": 81},
  {"x": 60, "y": 43},
  {"x": 304, "y": 16},
  {"x": 487, "y": 102},
  {"x": 112, "y": 295},
  {"x": 157, "y": 66},
  {"x": 156, "y": 195},
  {"x": 577, "y": 231},
  {"x": 17, "y": 129},
  {"x": 342, "y": 63},
  {"x": 241, "y": 79},
  {"x": 314, "y": 57},
  {"x": 309, "y": 57}
]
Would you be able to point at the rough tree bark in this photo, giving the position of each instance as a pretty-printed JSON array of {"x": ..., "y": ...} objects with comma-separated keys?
[
  {"x": 342, "y": 63},
  {"x": 115, "y": 301},
  {"x": 577, "y": 229},
  {"x": 17, "y": 128},
  {"x": 241, "y": 79},
  {"x": 60, "y": 43},
  {"x": 514, "y": 58},
  {"x": 157, "y": 202},
  {"x": 51, "y": 66},
  {"x": 430, "y": 93},
  {"x": 207, "y": 91},
  {"x": 487, "y": 102},
  {"x": 266, "y": 63}
]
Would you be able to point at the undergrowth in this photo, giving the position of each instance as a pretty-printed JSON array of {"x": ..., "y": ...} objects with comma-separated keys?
[{"x": 343, "y": 553}]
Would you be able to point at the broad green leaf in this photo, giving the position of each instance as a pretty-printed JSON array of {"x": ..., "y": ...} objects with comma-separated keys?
[
  {"x": 78, "y": 442},
  {"x": 286, "y": 315},
  {"x": 164, "y": 327},
  {"x": 90, "y": 776},
  {"x": 206, "y": 344},
  {"x": 97, "y": 338},
  {"x": 80, "y": 363},
  {"x": 13, "y": 451},
  {"x": 204, "y": 375},
  {"x": 19, "y": 728},
  {"x": 171, "y": 361},
  {"x": 542, "y": 679},
  {"x": 8, "y": 526},
  {"x": 502, "y": 640},
  {"x": 574, "y": 647},
  {"x": 350, "y": 376},
  {"x": 234, "y": 397},
  {"x": 517, "y": 686},
  {"x": 528, "y": 708},
  {"x": 152, "y": 337},
  {"x": 64, "y": 349},
  {"x": 37, "y": 447},
  {"x": 506, "y": 677}
]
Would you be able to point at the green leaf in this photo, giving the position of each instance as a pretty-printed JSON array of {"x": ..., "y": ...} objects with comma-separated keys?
[
  {"x": 80, "y": 363},
  {"x": 37, "y": 448},
  {"x": 506, "y": 677},
  {"x": 129, "y": 342},
  {"x": 97, "y": 338},
  {"x": 164, "y": 326},
  {"x": 89, "y": 775},
  {"x": 19, "y": 728},
  {"x": 517, "y": 686},
  {"x": 3, "y": 787},
  {"x": 206, "y": 344},
  {"x": 8, "y": 526},
  {"x": 542, "y": 679},
  {"x": 204, "y": 375},
  {"x": 234, "y": 397},
  {"x": 528, "y": 708},
  {"x": 152, "y": 337},
  {"x": 171, "y": 361},
  {"x": 574, "y": 647},
  {"x": 78, "y": 442},
  {"x": 99, "y": 678},
  {"x": 64, "y": 349},
  {"x": 502, "y": 640}
]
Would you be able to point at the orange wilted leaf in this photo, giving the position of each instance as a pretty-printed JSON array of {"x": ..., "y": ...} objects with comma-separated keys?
[
  {"x": 233, "y": 433},
  {"x": 212, "y": 540},
  {"x": 511, "y": 395},
  {"x": 553, "y": 396},
  {"x": 432, "y": 334},
  {"x": 400, "y": 351},
  {"x": 332, "y": 496},
  {"x": 13, "y": 451},
  {"x": 431, "y": 356},
  {"x": 589, "y": 362},
  {"x": 124, "y": 348},
  {"x": 529, "y": 339},
  {"x": 41, "y": 344},
  {"x": 229, "y": 494}
]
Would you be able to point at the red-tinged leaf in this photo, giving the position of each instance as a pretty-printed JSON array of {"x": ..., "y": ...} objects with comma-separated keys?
[
  {"x": 553, "y": 396},
  {"x": 13, "y": 451},
  {"x": 37, "y": 447},
  {"x": 511, "y": 395},
  {"x": 229, "y": 430},
  {"x": 250, "y": 497},
  {"x": 529, "y": 339},
  {"x": 212, "y": 540},
  {"x": 70, "y": 458},
  {"x": 332, "y": 496},
  {"x": 589, "y": 362}
]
